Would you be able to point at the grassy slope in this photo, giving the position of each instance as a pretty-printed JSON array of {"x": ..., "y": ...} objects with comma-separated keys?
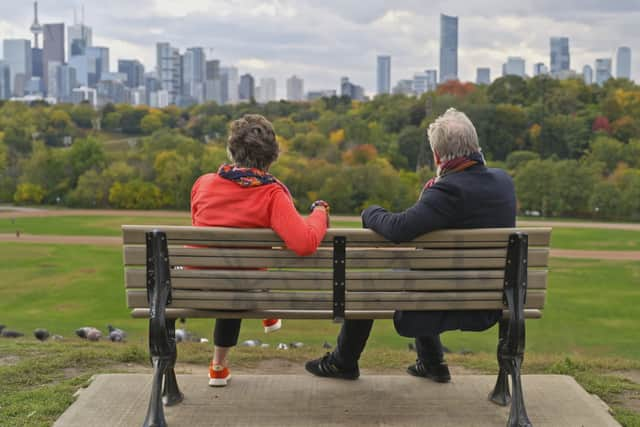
[
  {"x": 591, "y": 308},
  {"x": 562, "y": 238}
]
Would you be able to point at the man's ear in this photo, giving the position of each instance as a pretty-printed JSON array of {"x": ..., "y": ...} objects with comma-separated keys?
[{"x": 436, "y": 157}]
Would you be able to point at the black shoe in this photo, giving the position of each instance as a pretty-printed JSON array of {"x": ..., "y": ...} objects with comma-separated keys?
[
  {"x": 325, "y": 367},
  {"x": 438, "y": 373}
]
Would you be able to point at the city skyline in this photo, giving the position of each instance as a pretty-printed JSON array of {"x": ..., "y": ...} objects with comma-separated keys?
[{"x": 397, "y": 24}]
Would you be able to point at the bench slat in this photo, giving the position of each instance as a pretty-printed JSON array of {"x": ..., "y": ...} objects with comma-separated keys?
[
  {"x": 417, "y": 259},
  {"x": 234, "y": 237},
  {"x": 319, "y": 301},
  {"x": 174, "y": 313},
  {"x": 135, "y": 278}
]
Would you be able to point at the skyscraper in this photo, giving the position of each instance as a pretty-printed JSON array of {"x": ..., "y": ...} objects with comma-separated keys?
[
  {"x": 603, "y": 70},
  {"x": 384, "y": 74},
  {"x": 539, "y": 69},
  {"x": 213, "y": 82},
  {"x": 17, "y": 54},
  {"x": 267, "y": 89},
  {"x": 587, "y": 74},
  {"x": 98, "y": 58},
  {"x": 5, "y": 80},
  {"x": 514, "y": 66},
  {"x": 448, "y": 48},
  {"x": 229, "y": 84},
  {"x": 295, "y": 89},
  {"x": 194, "y": 70},
  {"x": 134, "y": 71},
  {"x": 351, "y": 90},
  {"x": 623, "y": 63},
  {"x": 560, "y": 58},
  {"x": 53, "y": 50},
  {"x": 79, "y": 38},
  {"x": 247, "y": 88},
  {"x": 168, "y": 68},
  {"x": 483, "y": 76}
]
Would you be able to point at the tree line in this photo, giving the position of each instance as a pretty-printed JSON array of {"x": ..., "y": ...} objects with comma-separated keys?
[{"x": 573, "y": 149}]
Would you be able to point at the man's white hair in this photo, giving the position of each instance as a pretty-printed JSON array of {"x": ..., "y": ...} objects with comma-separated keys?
[{"x": 453, "y": 135}]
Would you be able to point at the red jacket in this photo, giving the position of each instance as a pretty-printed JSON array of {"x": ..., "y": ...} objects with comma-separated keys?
[{"x": 219, "y": 202}]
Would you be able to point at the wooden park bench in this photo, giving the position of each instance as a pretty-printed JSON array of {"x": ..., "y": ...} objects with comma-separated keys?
[{"x": 355, "y": 274}]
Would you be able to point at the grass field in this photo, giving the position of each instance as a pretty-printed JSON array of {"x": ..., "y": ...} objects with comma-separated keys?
[
  {"x": 591, "y": 309},
  {"x": 562, "y": 237}
]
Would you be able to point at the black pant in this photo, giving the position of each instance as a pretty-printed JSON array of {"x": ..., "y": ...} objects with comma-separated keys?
[
  {"x": 226, "y": 332},
  {"x": 353, "y": 337}
]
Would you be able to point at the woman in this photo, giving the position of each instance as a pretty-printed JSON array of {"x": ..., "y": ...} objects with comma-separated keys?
[{"x": 245, "y": 195}]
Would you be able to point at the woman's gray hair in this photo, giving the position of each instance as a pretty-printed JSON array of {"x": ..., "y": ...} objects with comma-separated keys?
[
  {"x": 453, "y": 135},
  {"x": 252, "y": 142}
]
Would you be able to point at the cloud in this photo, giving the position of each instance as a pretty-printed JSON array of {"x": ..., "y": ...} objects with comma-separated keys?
[{"x": 324, "y": 40}]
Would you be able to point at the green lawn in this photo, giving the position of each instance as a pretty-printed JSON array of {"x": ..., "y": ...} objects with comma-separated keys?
[
  {"x": 592, "y": 306},
  {"x": 562, "y": 238}
]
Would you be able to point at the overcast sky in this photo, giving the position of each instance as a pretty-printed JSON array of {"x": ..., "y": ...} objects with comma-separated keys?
[{"x": 322, "y": 40}]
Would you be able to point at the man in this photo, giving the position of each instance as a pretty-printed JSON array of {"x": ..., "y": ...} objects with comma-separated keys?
[{"x": 464, "y": 194}]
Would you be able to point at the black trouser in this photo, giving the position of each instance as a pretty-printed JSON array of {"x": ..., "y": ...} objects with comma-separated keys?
[
  {"x": 353, "y": 337},
  {"x": 226, "y": 332}
]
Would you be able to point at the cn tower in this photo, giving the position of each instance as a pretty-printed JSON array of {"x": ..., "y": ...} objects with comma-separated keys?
[{"x": 36, "y": 28}]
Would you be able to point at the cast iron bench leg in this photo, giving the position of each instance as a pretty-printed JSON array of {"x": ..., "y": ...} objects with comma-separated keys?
[
  {"x": 162, "y": 341},
  {"x": 500, "y": 394},
  {"x": 511, "y": 349},
  {"x": 171, "y": 395}
]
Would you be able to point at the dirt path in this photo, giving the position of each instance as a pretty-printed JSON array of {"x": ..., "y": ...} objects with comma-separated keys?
[{"x": 107, "y": 240}]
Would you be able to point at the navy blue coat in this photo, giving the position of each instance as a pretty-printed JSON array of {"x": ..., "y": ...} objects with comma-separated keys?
[{"x": 478, "y": 197}]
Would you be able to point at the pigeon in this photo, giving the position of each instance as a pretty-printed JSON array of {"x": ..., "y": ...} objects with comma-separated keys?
[
  {"x": 90, "y": 333},
  {"x": 115, "y": 334},
  {"x": 411, "y": 346},
  {"x": 296, "y": 344},
  {"x": 181, "y": 335},
  {"x": 283, "y": 346},
  {"x": 327, "y": 345},
  {"x": 203, "y": 340},
  {"x": 41, "y": 334},
  {"x": 57, "y": 337},
  {"x": 265, "y": 345},
  {"x": 251, "y": 343},
  {"x": 11, "y": 334}
]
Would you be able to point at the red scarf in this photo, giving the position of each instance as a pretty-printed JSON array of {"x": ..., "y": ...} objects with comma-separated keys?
[
  {"x": 250, "y": 177},
  {"x": 454, "y": 165}
]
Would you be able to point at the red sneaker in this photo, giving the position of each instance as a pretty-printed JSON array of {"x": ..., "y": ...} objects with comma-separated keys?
[
  {"x": 271, "y": 325},
  {"x": 219, "y": 375}
]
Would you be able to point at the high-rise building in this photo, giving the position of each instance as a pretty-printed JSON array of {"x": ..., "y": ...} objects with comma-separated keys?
[
  {"x": 134, "y": 71},
  {"x": 351, "y": 90},
  {"x": 52, "y": 76},
  {"x": 79, "y": 38},
  {"x": 540, "y": 69},
  {"x": 151, "y": 85},
  {"x": 5, "y": 80},
  {"x": 17, "y": 54},
  {"x": 212, "y": 69},
  {"x": 169, "y": 70},
  {"x": 247, "y": 88},
  {"x": 112, "y": 92},
  {"x": 65, "y": 83},
  {"x": 603, "y": 70},
  {"x": 483, "y": 76},
  {"x": 268, "y": 90},
  {"x": 36, "y": 62},
  {"x": 101, "y": 56},
  {"x": 560, "y": 59},
  {"x": 403, "y": 87},
  {"x": 587, "y": 74},
  {"x": 213, "y": 82},
  {"x": 432, "y": 80},
  {"x": 53, "y": 50},
  {"x": 623, "y": 63},
  {"x": 295, "y": 89},
  {"x": 85, "y": 94},
  {"x": 384, "y": 74},
  {"x": 313, "y": 95},
  {"x": 515, "y": 66},
  {"x": 448, "y": 48},
  {"x": 194, "y": 69},
  {"x": 229, "y": 84}
]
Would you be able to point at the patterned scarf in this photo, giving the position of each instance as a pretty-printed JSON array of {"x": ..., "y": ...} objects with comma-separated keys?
[
  {"x": 249, "y": 177},
  {"x": 455, "y": 165}
]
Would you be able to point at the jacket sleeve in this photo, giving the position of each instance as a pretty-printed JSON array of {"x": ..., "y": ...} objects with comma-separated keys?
[
  {"x": 302, "y": 236},
  {"x": 436, "y": 209}
]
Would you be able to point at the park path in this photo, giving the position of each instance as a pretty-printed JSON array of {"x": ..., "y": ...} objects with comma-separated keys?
[
  {"x": 116, "y": 240},
  {"x": 22, "y": 212}
]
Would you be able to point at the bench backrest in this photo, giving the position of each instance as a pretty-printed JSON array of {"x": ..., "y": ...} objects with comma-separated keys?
[{"x": 251, "y": 270}]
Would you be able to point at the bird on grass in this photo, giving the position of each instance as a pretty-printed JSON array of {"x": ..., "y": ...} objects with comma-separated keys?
[
  {"x": 41, "y": 334},
  {"x": 115, "y": 334},
  {"x": 89, "y": 333},
  {"x": 6, "y": 333}
]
